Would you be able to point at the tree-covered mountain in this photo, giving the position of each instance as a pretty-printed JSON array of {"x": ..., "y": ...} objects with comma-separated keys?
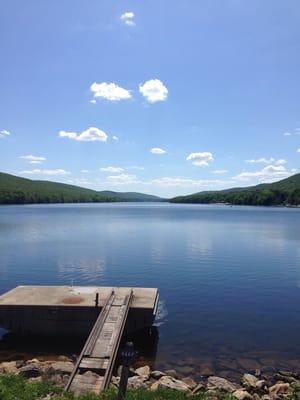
[
  {"x": 284, "y": 192},
  {"x": 16, "y": 190}
]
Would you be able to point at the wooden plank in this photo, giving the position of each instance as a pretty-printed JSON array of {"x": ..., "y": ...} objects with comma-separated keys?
[{"x": 93, "y": 363}]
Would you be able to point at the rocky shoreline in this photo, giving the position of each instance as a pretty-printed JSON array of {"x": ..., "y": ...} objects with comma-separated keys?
[{"x": 254, "y": 385}]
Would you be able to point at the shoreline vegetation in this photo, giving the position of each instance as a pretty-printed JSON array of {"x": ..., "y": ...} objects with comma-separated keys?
[
  {"x": 45, "y": 380},
  {"x": 17, "y": 190}
]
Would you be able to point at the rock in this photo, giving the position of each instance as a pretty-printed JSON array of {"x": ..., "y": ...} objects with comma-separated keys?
[
  {"x": 143, "y": 371},
  {"x": 278, "y": 389},
  {"x": 190, "y": 382},
  {"x": 261, "y": 384},
  {"x": 172, "y": 372},
  {"x": 61, "y": 367},
  {"x": 33, "y": 361},
  {"x": 8, "y": 367},
  {"x": 199, "y": 388},
  {"x": 167, "y": 382},
  {"x": 137, "y": 382},
  {"x": 115, "y": 381},
  {"x": 217, "y": 383},
  {"x": 156, "y": 374},
  {"x": 241, "y": 394},
  {"x": 31, "y": 370},
  {"x": 249, "y": 380},
  {"x": 206, "y": 369},
  {"x": 63, "y": 358}
]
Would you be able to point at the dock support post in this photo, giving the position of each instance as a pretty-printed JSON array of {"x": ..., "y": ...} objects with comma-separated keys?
[{"x": 128, "y": 355}]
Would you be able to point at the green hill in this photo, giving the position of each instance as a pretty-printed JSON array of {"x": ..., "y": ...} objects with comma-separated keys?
[
  {"x": 284, "y": 192},
  {"x": 16, "y": 190}
]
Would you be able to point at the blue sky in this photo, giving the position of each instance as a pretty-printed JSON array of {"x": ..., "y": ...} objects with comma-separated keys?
[{"x": 161, "y": 97}]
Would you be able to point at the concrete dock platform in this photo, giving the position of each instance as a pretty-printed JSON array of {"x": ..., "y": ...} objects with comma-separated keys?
[{"x": 65, "y": 310}]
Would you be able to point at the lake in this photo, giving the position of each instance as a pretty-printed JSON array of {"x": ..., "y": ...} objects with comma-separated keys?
[{"x": 229, "y": 277}]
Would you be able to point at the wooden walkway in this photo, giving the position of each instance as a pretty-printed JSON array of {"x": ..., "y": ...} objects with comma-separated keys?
[{"x": 94, "y": 366}]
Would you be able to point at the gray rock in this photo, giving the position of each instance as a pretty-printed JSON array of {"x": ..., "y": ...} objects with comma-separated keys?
[
  {"x": 143, "y": 371},
  {"x": 217, "y": 383},
  {"x": 279, "y": 389},
  {"x": 9, "y": 367},
  {"x": 167, "y": 382},
  {"x": 137, "y": 382},
  {"x": 61, "y": 367},
  {"x": 199, "y": 388},
  {"x": 156, "y": 374},
  {"x": 249, "y": 380},
  {"x": 241, "y": 394},
  {"x": 31, "y": 370}
]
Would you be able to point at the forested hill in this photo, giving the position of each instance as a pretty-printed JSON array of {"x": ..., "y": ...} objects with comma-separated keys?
[
  {"x": 284, "y": 192},
  {"x": 16, "y": 190}
]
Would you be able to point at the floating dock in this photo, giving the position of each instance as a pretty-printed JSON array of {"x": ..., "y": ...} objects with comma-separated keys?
[{"x": 103, "y": 314}]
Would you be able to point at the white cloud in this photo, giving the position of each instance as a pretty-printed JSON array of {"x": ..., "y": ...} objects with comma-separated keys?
[
  {"x": 135, "y": 167},
  {"x": 287, "y": 134},
  {"x": 157, "y": 150},
  {"x": 91, "y": 134},
  {"x": 122, "y": 179},
  {"x": 4, "y": 133},
  {"x": 127, "y": 17},
  {"x": 294, "y": 170},
  {"x": 93, "y": 101},
  {"x": 115, "y": 137},
  {"x": 200, "y": 159},
  {"x": 264, "y": 160},
  {"x": 112, "y": 169},
  {"x": 57, "y": 171},
  {"x": 186, "y": 182},
  {"x": 267, "y": 174},
  {"x": 153, "y": 90},
  {"x": 84, "y": 171},
  {"x": 33, "y": 159},
  {"x": 110, "y": 91},
  {"x": 220, "y": 171},
  {"x": 298, "y": 151}
]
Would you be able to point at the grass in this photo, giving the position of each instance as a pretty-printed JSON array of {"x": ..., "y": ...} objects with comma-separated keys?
[{"x": 16, "y": 387}]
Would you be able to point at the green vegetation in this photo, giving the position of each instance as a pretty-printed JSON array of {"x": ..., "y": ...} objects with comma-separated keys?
[
  {"x": 16, "y": 387},
  {"x": 284, "y": 192},
  {"x": 16, "y": 190}
]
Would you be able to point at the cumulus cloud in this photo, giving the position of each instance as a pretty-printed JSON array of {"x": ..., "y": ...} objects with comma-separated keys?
[
  {"x": 91, "y": 134},
  {"x": 200, "y": 159},
  {"x": 4, "y": 133},
  {"x": 110, "y": 91},
  {"x": 153, "y": 90},
  {"x": 115, "y": 137},
  {"x": 264, "y": 160},
  {"x": 128, "y": 18},
  {"x": 157, "y": 150},
  {"x": 186, "y": 182},
  {"x": 112, "y": 169},
  {"x": 220, "y": 171},
  {"x": 57, "y": 171},
  {"x": 33, "y": 159},
  {"x": 266, "y": 174},
  {"x": 121, "y": 179}
]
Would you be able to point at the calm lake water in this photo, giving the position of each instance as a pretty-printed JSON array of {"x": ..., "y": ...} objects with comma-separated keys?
[{"x": 229, "y": 277}]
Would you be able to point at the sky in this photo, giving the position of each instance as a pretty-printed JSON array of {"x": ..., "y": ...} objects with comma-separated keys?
[{"x": 162, "y": 97}]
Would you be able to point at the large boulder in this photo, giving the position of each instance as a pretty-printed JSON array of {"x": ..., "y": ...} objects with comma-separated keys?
[
  {"x": 31, "y": 370},
  {"x": 222, "y": 384},
  {"x": 279, "y": 389},
  {"x": 249, "y": 380},
  {"x": 9, "y": 367},
  {"x": 242, "y": 394},
  {"x": 167, "y": 382},
  {"x": 143, "y": 371}
]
